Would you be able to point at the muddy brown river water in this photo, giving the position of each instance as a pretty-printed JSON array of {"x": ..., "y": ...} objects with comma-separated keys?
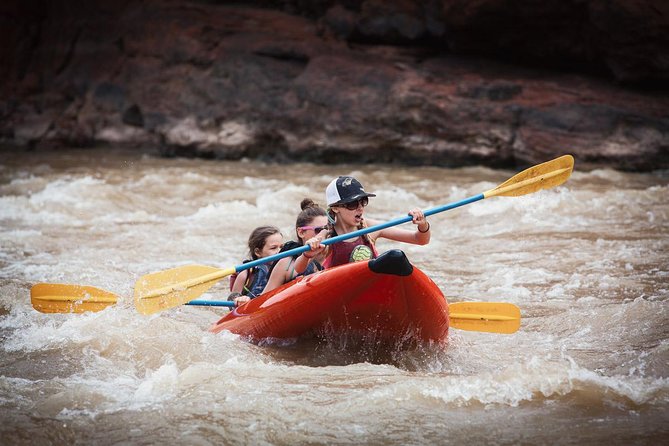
[{"x": 586, "y": 262}]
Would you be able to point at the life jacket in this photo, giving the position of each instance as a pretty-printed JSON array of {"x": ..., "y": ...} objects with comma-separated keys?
[
  {"x": 347, "y": 252},
  {"x": 256, "y": 279}
]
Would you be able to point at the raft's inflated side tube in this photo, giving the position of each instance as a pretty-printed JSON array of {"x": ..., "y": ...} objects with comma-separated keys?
[
  {"x": 392, "y": 262},
  {"x": 387, "y": 299}
]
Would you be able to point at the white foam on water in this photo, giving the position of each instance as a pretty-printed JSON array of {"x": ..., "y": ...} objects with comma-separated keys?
[
  {"x": 8, "y": 393},
  {"x": 32, "y": 331},
  {"x": 585, "y": 262},
  {"x": 259, "y": 184},
  {"x": 72, "y": 201},
  {"x": 546, "y": 379},
  {"x": 219, "y": 213},
  {"x": 608, "y": 175},
  {"x": 396, "y": 199},
  {"x": 77, "y": 192},
  {"x": 20, "y": 234},
  {"x": 282, "y": 200},
  {"x": 159, "y": 385},
  {"x": 23, "y": 183}
]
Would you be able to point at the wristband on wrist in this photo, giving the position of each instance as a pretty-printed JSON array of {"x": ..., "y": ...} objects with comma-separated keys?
[{"x": 428, "y": 228}]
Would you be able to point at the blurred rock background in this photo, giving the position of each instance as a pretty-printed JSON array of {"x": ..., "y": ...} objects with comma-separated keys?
[{"x": 503, "y": 83}]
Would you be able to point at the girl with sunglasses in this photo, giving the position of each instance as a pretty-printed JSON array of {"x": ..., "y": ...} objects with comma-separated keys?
[
  {"x": 346, "y": 200},
  {"x": 311, "y": 222}
]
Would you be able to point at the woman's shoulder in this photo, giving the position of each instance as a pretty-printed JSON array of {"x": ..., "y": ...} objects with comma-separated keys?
[{"x": 282, "y": 262}]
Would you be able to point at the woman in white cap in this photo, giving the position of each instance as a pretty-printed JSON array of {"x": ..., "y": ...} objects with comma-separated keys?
[{"x": 346, "y": 199}]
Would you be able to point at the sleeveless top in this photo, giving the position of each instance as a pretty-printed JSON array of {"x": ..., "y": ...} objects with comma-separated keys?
[
  {"x": 347, "y": 252},
  {"x": 312, "y": 267}
]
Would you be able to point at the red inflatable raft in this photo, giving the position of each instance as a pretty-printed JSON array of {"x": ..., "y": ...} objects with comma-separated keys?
[{"x": 386, "y": 299}]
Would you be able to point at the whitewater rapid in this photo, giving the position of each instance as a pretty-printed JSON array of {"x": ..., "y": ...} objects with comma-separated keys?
[{"x": 586, "y": 263}]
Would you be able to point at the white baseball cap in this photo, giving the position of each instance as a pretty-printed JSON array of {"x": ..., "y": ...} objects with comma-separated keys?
[{"x": 344, "y": 190}]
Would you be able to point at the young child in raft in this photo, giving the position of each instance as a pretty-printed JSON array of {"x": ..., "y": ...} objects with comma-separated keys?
[
  {"x": 311, "y": 222},
  {"x": 264, "y": 241},
  {"x": 346, "y": 199}
]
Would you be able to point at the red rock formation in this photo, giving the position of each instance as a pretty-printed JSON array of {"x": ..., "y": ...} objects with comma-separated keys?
[{"x": 388, "y": 81}]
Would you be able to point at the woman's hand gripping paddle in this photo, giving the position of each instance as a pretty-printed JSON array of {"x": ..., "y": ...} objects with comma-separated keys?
[
  {"x": 489, "y": 317},
  {"x": 166, "y": 289}
]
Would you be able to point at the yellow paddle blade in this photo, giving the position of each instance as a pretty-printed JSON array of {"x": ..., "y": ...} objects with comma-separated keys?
[
  {"x": 542, "y": 176},
  {"x": 489, "y": 317},
  {"x": 167, "y": 289},
  {"x": 63, "y": 298}
]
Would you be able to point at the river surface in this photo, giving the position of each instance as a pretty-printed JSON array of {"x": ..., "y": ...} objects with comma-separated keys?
[{"x": 586, "y": 262}]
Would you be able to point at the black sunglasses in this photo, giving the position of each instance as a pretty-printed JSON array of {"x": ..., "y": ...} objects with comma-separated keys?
[{"x": 353, "y": 205}]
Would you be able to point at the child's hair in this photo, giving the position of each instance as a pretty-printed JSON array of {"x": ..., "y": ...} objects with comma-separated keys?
[
  {"x": 310, "y": 210},
  {"x": 258, "y": 237}
]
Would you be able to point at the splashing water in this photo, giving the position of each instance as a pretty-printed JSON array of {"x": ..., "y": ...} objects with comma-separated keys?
[{"x": 585, "y": 262}]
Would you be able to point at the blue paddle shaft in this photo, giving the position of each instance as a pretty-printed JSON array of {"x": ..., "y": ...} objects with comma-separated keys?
[
  {"x": 359, "y": 232},
  {"x": 211, "y": 303}
]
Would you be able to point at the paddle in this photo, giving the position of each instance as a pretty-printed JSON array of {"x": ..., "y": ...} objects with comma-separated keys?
[
  {"x": 489, "y": 317},
  {"x": 64, "y": 298},
  {"x": 166, "y": 289}
]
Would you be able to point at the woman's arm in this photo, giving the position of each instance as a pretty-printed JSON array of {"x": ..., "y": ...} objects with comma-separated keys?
[
  {"x": 238, "y": 286},
  {"x": 421, "y": 236},
  {"x": 278, "y": 276},
  {"x": 238, "y": 289},
  {"x": 302, "y": 262}
]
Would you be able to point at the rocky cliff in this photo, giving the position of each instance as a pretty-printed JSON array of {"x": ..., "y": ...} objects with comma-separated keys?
[{"x": 494, "y": 82}]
